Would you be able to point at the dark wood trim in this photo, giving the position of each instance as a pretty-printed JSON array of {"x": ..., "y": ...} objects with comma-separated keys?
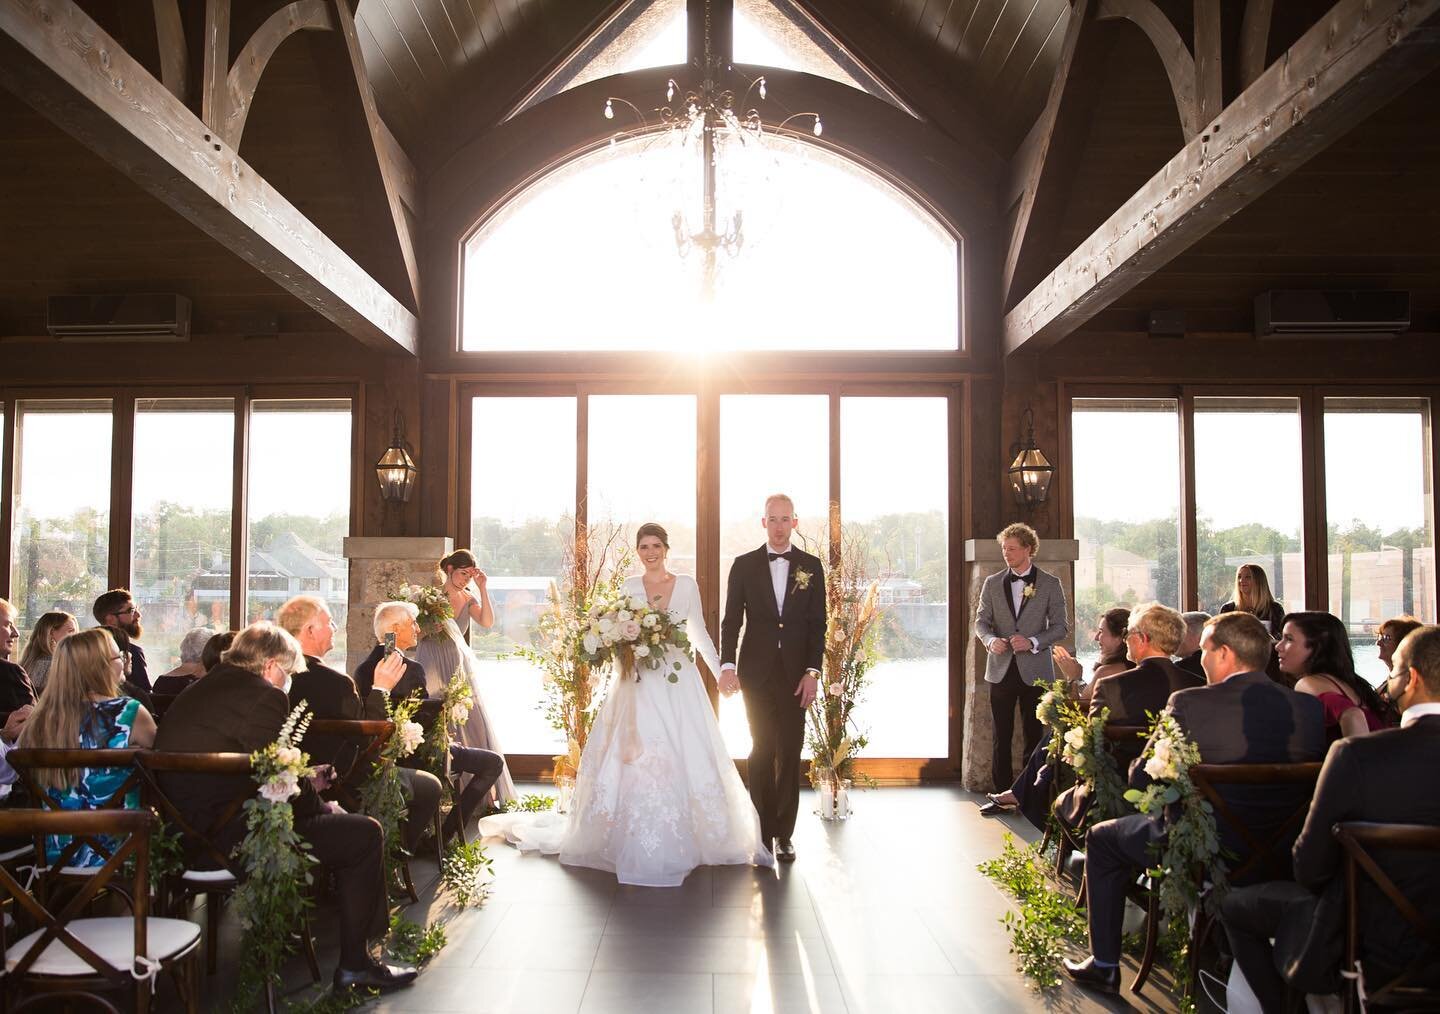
[
  {"x": 215, "y": 66},
  {"x": 122, "y": 487},
  {"x": 960, "y": 481},
  {"x": 244, "y": 76},
  {"x": 1189, "y": 525},
  {"x": 708, "y": 564},
  {"x": 1254, "y": 40},
  {"x": 582, "y": 477},
  {"x": 240, "y": 515},
  {"x": 832, "y": 511},
  {"x": 360, "y": 465},
  {"x": 9, "y": 434},
  {"x": 1358, "y": 57},
  {"x": 403, "y": 174},
  {"x": 1312, "y": 481},
  {"x": 1209, "y": 81},
  {"x": 57, "y": 59},
  {"x": 452, "y": 464},
  {"x": 174, "y": 51},
  {"x": 1434, "y": 476},
  {"x": 464, "y": 480}
]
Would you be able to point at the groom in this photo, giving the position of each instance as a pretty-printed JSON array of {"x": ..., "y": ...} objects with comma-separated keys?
[{"x": 778, "y": 592}]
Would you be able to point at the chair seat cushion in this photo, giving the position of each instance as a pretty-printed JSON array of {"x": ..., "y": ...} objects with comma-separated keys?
[
  {"x": 113, "y": 939},
  {"x": 208, "y": 877}
]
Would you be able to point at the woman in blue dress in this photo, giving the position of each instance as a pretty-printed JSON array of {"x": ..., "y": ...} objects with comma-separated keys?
[{"x": 83, "y": 707}]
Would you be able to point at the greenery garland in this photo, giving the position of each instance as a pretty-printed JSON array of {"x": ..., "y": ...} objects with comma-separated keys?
[
  {"x": 382, "y": 796},
  {"x": 276, "y": 862},
  {"x": 455, "y": 703},
  {"x": 464, "y": 871},
  {"x": 1053, "y": 714},
  {"x": 1047, "y": 920},
  {"x": 1085, "y": 749}
]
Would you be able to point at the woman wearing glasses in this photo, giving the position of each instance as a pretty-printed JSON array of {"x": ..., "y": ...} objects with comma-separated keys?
[{"x": 1389, "y": 636}]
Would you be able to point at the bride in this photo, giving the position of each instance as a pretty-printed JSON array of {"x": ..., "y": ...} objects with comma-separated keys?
[
  {"x": 657, "y": 793},
  {"x": 448, "y": 649}
]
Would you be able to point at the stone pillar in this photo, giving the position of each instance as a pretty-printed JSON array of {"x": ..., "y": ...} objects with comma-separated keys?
[
  {"x": 377, "y": 567},
  {"x": 982, "y": 558}
]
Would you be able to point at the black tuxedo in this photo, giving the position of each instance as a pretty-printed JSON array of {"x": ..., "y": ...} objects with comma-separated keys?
[
  {"x": 1382, "y": 777},
  {"x": 1191, "y": 664},
  {"x": 16, "y": 690},
  {"x": 412, "y": 684},
  {"x": 1247, "y": 719},
  {"x": 233, "y": 710},
  {"x": 780, "y": 644}
]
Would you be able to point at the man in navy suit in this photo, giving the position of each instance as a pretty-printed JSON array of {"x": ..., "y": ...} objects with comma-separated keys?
[{"x": 778, "y": 593}]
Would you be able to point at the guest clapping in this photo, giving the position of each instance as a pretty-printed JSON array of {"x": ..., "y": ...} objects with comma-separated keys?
[
  {"x": 1315, "y": 652},
  {"x": 1109, "y": 637},
  {"x": 50, "y": 629}
]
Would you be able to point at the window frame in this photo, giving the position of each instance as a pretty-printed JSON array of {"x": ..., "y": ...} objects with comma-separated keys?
[{"x": 122, "y": 449}]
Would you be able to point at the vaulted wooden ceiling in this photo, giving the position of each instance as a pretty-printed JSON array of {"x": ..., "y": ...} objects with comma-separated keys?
[{"x": 445, "y": 69}]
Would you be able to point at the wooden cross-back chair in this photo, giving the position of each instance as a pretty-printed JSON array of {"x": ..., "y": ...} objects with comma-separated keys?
[
  {"x": 1267, "y": 852},
  {"x": 214, "y": 874},
  {"x": 1066, "y": 840},
  {"x": 70, "y": 957},
  {"x": 1358, "y": 839},
  {"x": 27, "y": 762}
]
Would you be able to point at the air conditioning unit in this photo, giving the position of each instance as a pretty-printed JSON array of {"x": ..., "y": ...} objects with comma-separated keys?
[
  {"x": 1285, "y": 313},
  {"x": 134, "y": 317}
]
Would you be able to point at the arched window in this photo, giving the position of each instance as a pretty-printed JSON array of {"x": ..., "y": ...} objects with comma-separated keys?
[{"x": 834, "y": 257}]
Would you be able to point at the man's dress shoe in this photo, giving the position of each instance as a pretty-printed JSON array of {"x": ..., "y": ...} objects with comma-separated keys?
[
  {"x": 784, "y": 850},
  {"x": 374, "y": 976},
  {"x": 1087, "y": 974}
]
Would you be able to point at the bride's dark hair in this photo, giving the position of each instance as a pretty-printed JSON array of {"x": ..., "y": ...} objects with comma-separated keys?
[
  {"x": 651, "y": 528},
  {"x": 458, "y": 559}
]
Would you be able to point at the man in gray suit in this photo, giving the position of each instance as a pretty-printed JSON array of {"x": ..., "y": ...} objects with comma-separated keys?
[{"x": 1020, "y": 617}]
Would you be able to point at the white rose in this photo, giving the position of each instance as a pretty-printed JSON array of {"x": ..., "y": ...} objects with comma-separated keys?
[
  {"x": 834, "y": 689},
  {"x": 281, "y": 787},
  {"x": 459, "y": 713},
  {"x": 590, "y": 643},
  {"x": 642, "y": 651},
  {"x": 1155, "y": 768},
  {"x": 1075, "y": 738},
  {"x": 288, "y": 756},
  {"x": 625, "y": 616},
  {"x": 606, "y": 625},
  {"x": 411, "y": 736},
  {"x": 607, "y": 639},
  {"x": 650, "y": 621},
  {"x": 629, "y": 630}
]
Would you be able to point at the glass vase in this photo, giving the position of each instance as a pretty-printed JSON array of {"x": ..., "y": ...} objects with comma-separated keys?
[
  {"x": 825, "y": 786},
  {"x": 565, "y": 785}
]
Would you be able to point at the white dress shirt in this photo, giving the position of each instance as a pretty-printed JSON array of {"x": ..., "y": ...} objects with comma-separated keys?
[
  {"x": 1017, "y": 596},
  {"x": 1416, "y": 712},
  {"x": 779, "y": 574}
]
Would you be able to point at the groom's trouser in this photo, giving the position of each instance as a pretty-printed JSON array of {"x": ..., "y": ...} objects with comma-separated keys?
[
  {"x": 1003, "y": 698},
  {"x": 777, "y": 731}
]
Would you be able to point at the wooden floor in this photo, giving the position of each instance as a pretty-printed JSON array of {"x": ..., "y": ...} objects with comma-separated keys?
[{"x": 883, "y": 913}]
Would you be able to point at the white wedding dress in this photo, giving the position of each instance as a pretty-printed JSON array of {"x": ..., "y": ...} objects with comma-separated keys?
[{"x": 657, "y": 793}]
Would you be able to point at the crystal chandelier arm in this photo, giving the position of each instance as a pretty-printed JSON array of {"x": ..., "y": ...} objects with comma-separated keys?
[{"x": 610, "y": 110}]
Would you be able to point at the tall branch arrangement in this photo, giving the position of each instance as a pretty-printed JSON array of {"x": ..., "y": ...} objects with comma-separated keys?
[{"x": 851, "y": 617}]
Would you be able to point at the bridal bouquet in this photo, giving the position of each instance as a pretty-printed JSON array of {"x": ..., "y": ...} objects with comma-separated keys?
[
  {"x": 433, "y": 603},
  {"x": 626, "y": 630}
]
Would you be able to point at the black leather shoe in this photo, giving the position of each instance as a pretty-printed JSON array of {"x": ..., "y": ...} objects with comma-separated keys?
[
  {"x": 784, "y": 850},
  {"x": 374, "y": 976},
  {"x": 1085, "y": 973}
]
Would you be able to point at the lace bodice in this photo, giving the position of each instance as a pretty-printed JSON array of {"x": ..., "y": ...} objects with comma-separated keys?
[{"x": 685, "y": 605}]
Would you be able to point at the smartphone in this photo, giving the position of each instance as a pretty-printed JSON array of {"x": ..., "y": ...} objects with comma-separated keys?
[{"x": 389, "y": 641}]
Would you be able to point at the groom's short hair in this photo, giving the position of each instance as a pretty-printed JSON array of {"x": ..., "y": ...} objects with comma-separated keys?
[
  {"x": 1021, "y": 533},
  {"x": 779, "y": 496}
]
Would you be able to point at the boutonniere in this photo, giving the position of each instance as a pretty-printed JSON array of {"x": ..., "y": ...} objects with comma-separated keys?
[
  {"x": 1029, "y": 592},
  {"x": 802, "y": 579}
]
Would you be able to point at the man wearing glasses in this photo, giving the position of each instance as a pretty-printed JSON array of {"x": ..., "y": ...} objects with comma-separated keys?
[{"x": 117, "y": 609}]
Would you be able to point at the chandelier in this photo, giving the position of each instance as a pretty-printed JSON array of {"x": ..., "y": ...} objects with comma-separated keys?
[{"x": 705, "y": 124}]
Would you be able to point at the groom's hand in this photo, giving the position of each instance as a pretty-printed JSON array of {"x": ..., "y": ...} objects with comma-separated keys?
[
  {"x": 806, "y": 690},
  {"x": 999, "y": 646},
  {"x": 729, "y": 681}
]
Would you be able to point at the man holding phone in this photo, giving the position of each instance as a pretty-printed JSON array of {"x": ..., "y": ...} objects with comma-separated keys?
[{"x": 397, "y": 631}]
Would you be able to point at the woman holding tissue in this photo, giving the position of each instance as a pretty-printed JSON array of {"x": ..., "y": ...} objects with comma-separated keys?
[{"x": 444, "y": 651}]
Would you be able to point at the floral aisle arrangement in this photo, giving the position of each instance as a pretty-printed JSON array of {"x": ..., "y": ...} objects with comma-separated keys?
[
  {"x": 433, "y": 603},
  {"x": 276, "y": 862},
  {"x": 381, "y": 796},
  {"x": 851, "y": 617},
  {"x": 1052, "y": 713},
  {"x": 455, "y": 703},
  {"x": 1085, "y": 748}
]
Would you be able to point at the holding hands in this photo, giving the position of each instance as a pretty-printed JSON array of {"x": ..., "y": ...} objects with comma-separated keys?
[{"x": 729, "y": 682}]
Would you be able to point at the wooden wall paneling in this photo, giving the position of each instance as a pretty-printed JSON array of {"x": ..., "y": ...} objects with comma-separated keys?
[
  {"x": 1296, "y": 108},
  {"x": 362, "y": 472},
  {"x": 121, "y": 112},
  {"x": 960, "y": 480},
  {"x": 982, "y": 412},
  {"x": 240, "y": 515},
  {"x": 1189, "y": 532},
  {"x": 465, "y": 454},
  {"x": 439, "y": 476},
  {"x": 122, "y": 486},
  {"x": 9, "y": 433},
  {"x": 1312, "y": 480},
  {"x": 1432, "y": 440},
  {"x": 582, "y": 477}
]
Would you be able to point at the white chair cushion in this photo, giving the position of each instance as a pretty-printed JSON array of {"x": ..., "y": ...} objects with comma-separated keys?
[
  {"x": 208, "y": 877},
  {"x": 113, "y": 939}
]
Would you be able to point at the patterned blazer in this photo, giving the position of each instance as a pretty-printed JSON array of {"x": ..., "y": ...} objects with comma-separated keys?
[{"x": 1041, "y": 616}]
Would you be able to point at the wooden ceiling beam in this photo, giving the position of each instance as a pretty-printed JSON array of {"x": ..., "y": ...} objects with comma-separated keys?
[
  {"x": 243, "y": 76},
  {"x": 174, "y": 53},
  {"x": 57, "y": 59},
  {"x": 1356, "y": 58},
  {"x": 1254, "y": 39}
]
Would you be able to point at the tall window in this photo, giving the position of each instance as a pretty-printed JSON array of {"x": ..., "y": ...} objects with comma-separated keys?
[
  {"x": 1129, "y": 531},
  {"x": 830, "y": 250},
  {"x": 1378, "y": 503},
  {"x": 896, "y": 505},
  {"x": 299, "y": 506},
  {"x": 768, "y": 444},
  {"x": 1248, "y": 496},
  {"x": 61, "y": 517},
  {"x": 180, "y": 523},
  {"x": 522, "y": 503}
]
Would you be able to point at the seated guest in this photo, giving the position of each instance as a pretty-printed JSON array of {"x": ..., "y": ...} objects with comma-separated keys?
[
  {"x": 1387, "y": 638},
  {"x": 239, "y": 707},
  {"x": 50, "y": 629},
  {"x": 483, "y": 766},
  {"x": 12, "y": 790},
  {"x": 215, "y": 648},
  {"x": 1240, "y": 717},
  {"x": 16, "y": 690},
  {"x": 1031, "y": 790},
  {"x": 1187, "y": 656},
  {"x": 331, "y": 694},
  {"x": 84, "y": 708},
  {"x": 1379, "y": 778},
  {"x": 1252, "y": 595},
  {"x": 1315, "y": 652},
  {"x": 191, "y": 668},
  {"x": 131, "y": 688},
  {"x": 1133, "y": 695},
  {"x": 117, "y": 609}
]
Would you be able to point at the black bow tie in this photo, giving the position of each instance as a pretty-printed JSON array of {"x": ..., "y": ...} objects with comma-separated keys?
[
  {"x": 787, "y": 555},
  {"x": 1027, "y": 578}
]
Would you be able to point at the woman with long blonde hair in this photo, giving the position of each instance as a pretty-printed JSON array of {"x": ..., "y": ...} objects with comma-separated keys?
[
  {"x": 50, "y": 629},
  {"x": 83, "y": 708},
  {"x": 1251, "y": 594}
]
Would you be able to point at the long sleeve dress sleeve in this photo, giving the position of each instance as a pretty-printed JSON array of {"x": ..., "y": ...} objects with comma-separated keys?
[{"x": 695, "y": 628}]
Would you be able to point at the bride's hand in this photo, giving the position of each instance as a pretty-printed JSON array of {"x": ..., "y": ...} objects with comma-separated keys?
[{"x": 729, "y": 681}]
